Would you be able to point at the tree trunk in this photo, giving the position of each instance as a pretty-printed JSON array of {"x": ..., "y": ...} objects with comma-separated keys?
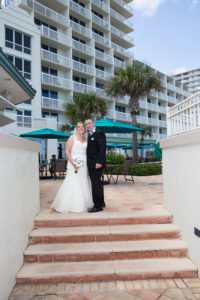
[
  {"x": 142, "y": 150},
  {"x": 134, "y": 139}
]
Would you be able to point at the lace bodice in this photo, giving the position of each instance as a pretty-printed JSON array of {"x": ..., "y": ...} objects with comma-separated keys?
[{"x": 78, "y": 148}]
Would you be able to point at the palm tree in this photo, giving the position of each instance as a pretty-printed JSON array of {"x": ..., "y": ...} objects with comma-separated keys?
[
  {"x": 85, "y": 106},
  {"x": 136, "y": 80},
  {"x": 147, "y": 131}
]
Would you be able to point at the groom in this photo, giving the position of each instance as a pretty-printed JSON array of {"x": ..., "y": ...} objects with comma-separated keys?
[{"x": 96, "y": 160}]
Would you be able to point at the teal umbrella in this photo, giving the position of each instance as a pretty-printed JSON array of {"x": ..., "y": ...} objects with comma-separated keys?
[
  {"x": 115, "y": 145},
  {"x": 46, "y": 134},
  {"x": 158, "y": 151},
  {"x": 140, "y": 147},
  {"x": 109, "y": 126}
]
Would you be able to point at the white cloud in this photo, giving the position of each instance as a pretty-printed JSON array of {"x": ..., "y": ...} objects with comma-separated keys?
[
  {"x": 148, "y": 7},
  {"x": 194, "y": 3}
]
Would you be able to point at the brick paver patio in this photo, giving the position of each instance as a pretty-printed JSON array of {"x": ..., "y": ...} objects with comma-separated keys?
[{"x": 145, "y": 194}]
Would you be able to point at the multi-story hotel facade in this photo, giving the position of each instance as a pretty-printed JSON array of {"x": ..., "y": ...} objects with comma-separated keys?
[
  {"x": 190, "y": 78},
  {"x": 64, "y": 47}
]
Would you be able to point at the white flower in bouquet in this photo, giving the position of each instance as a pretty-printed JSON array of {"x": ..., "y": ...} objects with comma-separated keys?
[{"x": 78, "y": 162}]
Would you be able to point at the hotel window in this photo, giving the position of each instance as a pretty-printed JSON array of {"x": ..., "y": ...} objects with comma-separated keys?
[
  {"x": 47, "y": 114},
  {"x": 119, "y": 58},
  {"x": 149, "y": 115},
  {"x": 79, "y": 79},
  {"x": 49, "y": 94},
  {"x": 99, "y": 85},
  {"x": 97, "y": 14},
  {"x": 24, "y": 118},
  {"x": 40, "y": 23},
  {"x": 97, "y": 31},
  {"x": 79, "y": 59},
  {"x": 99, "y": 49},
  {"x": 23, "y": 65},
  {"x": 120, "y": 108},
  {"x": 78, "y": 40},
  {"x": 49, "y": 71},
  {"x": 79, "y": 2},
  {"x": 77, "y": 21},
  {"x": 50, "y": 49},
  {"x": 17, "y": 40},
  {"x": 99, "y": 67}
]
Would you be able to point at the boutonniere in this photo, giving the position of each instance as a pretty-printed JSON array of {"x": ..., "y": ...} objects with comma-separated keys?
[{"x": 92, "y": 139}]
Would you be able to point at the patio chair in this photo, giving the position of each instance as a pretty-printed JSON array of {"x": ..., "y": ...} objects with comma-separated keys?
[
  {"x": 61, "y": 168},
  {"x": 126, "y": 170}
]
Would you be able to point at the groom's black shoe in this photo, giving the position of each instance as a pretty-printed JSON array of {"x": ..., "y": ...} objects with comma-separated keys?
[
  {"x": 103, "y": 205},
  {"x": 94, "y": 209}
]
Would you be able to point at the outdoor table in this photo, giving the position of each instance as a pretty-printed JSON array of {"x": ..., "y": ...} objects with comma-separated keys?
[{"x": 45, "y": 168}]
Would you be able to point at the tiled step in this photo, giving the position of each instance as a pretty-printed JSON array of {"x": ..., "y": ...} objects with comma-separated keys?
[
  {"x": 106, "y": 270},
  {"x": 105, "y": 251},
  {"x": 48, "y": 219},
  {"x": 103, "y": 233}
]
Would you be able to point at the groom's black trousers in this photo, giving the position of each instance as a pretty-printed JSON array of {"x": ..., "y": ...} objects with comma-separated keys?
[{"x": 97, "y": 187}]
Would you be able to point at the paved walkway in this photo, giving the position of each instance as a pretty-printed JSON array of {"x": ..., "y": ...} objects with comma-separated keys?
[{"x": 145, "y": 194}]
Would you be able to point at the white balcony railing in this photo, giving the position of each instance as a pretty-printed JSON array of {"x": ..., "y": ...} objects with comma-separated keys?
[
  {"x": 45, "y": 12},
  {"x": 120, "y": 18},
  {"x": 81, "y": 29},
  {"x": 83, "y": 88},
  {"x": 83, "y": 68},
  {"x": 124, "y": 100},
  {"x": 103, "y": 75},
  {"x": 172, "y": 99},
  {"x": 55, "y": 36},
  {"x": 184, "y": 116},
  {"x": 120, "y": 50},
  {"x": 83, "y": 48},
  {"x": 162, "y": 123},
  {"x": 119, "y": 115},
  {"x": 101, "y": 22},
  {"x": 125, "y": 5},
  {"x": 56, "y": 81},
  {"x": 80, "y": 10},
  {"x": 55, "y": 58},
  {"x": 142, "y": 120},
  {"x": 101, "y": 5},
  {"x": 104, "y": 57},
  {"x": 119, "y": 63},
  {"x": 121, "y": 34},
  {"x": 101, "y": 93},
  {"x": 54, "y": 104},
  {"x": 153, "y": 122},
  {"x": 99, "y": 39}
]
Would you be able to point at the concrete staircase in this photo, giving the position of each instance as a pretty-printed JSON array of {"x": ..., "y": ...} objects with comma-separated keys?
[{"x": 104, "y": 246}]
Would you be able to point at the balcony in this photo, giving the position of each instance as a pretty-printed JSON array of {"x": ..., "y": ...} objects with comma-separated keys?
[
  {"x": 44, "y": 11},
  {"x": 118, "y": 115},
  {"x": 55, "y": 36},
  {"x": 83, "y": 88},
  {"x": 121, "y": 35},
  {"x": 101, "y": 93},
  {"x": 120, "y": 64},
  {"x": 80, "y": 10},
  {"x": 162, "y": 123},
  {"x": 153, "y": 122},
  {"x": 55, "y": 59},
  {"x": 126, "y": 24},
  {"x": 153, "y": 107},
  {"x": 142, "y": 120},
  {"x": 101, "y": 40},
  {"x": 162, "y": 96},
  {"x": 101, "y": 22},
  {"x": 125, "y": 9},
  {"x": 55, "y": 81},
  {"x": 83, "y": 68},
  {"x": 120, "y": 50},
  {"x": 172, "y": 100},
  {"x": 53, "y": 104},
  {"x": 104, "y": 57},
  {"x": 100, "y": 4},
  {"x": 81, "y": 29},
  {"x": 124, "y": 100},
  {"x": 103, "y": 75},
  {"x": 89, "y": 51},
  {"x": 162, "y": 109},
  {"x": 142, "y": 104}
]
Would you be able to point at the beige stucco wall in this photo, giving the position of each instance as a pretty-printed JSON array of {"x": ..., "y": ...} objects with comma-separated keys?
[
  {"x": 181, "y": 178},
  {"x": 19, "y": 203}
]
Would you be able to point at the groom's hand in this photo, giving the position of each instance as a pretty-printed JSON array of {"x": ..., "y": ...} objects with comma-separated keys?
[{"x": 98, "y": 166}]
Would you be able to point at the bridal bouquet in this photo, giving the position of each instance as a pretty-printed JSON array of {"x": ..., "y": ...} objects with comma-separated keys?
[{"x": 78, "y": 162}]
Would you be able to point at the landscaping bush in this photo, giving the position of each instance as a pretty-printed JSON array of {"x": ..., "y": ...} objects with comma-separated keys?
[
  {"x": 114, "y": 159},
  {"x": 146, "y": 169}
]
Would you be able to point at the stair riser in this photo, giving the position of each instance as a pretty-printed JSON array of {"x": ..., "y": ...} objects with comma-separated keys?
[
  {"x": 106, "y": 256},
  {"x": 100, "y": 222},
  {"x": 109, "y": 277},
  {"x": 103, "y": 237}
]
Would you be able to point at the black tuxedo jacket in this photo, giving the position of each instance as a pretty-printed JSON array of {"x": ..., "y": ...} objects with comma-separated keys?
[{"x": 96, "y": 149}]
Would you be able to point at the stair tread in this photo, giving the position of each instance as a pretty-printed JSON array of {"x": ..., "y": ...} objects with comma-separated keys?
[
  {"x": 112, "y": 229},
  {"x": 48, "y": 215},
  {"x": 104, "y": 247},
  {"x": 117, "y": 267}
]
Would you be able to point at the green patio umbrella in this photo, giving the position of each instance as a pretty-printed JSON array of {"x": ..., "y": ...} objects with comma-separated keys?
[
  {"x": 109, "y": 126},
  {"x": 158, "y": 151},
  {"x": 140, "y": 147},
  {"x": 46, "y": 134},
  {"x": 115, "y": 145}
]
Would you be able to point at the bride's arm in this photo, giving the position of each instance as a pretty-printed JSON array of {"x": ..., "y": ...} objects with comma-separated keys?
[{"x": 68, "y": 149}]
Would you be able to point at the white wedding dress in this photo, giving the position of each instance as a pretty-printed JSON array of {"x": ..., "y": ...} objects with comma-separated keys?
[{"x": 75, "y": 194}]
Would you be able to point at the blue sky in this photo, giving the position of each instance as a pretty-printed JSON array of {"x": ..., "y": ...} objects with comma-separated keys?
[{"x": 167, "y": 33}]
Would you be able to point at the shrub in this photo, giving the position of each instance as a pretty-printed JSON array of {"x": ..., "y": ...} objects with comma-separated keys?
[
  {"x": 115, "y": 159},
  {"x": 146, "y": 169}
]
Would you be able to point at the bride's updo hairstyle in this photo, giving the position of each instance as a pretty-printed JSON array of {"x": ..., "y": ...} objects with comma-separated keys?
[{"x": 80, "y": 122}]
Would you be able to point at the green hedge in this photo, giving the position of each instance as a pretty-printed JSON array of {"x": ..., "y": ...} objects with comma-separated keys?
[
  {"x": 115, "y": 159},
  {"x": 146, "y": 169}
]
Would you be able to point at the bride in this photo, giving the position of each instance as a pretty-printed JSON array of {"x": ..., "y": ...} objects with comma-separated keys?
[{"x": 75, "y": 194}]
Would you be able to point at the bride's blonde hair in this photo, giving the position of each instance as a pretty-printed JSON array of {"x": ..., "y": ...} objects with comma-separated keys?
[{"x": 80, "y": 122}]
